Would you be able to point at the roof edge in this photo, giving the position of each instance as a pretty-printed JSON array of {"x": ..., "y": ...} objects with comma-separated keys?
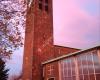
[
  {"x": 68, "y": 55},
  {"x": 66, "y": 47}
]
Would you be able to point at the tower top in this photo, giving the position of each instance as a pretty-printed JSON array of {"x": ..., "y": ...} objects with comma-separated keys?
[
  {"x": 40, "y": 5},
  {"x": 29, "y": 2}
]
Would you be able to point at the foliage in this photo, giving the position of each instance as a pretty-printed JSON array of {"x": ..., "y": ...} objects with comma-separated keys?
[
  {"x": 3, "y": 71},
  {"x": 12, "y": 20}
]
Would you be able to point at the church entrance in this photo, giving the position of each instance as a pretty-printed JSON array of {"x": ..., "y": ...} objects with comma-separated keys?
[{"x": 51, "y": 79}]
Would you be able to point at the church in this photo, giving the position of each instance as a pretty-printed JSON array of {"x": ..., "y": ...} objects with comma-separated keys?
[{"x": 41, "y": 56}]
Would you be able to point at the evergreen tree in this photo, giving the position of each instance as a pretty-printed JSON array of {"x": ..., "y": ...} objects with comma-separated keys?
[{"x": 3, "y": 71}]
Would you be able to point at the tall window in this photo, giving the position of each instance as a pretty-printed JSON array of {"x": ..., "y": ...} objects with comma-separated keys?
[
  {"x": 87, "y": 68},
  {"x": 40, "y": 4},
  {"x": 46, "y": 5},
  {"x": 68, "y": 69},
  {"x": 50, "y": 69}
]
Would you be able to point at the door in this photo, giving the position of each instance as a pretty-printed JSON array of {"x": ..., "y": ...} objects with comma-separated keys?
[{"x": 51, "y": 79}]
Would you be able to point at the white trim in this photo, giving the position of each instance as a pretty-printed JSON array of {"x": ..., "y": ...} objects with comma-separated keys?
[
  {"x": 76, "y": 68},
  {"x": 63, "y": 75},
  {"x": 59, "y": 67},
  {"x": 93, "y": 65},
  {"x": 68, "y": 55},
  {"x": 51, "y": 69},
  {"x": 71, "y": 66},
  {"x": 87, "y": 65},
  {"x": 81, "y": 66},
  {"x": 98, "y": 52}
]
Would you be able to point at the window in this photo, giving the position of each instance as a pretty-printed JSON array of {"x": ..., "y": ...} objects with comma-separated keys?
[
  {"x": 68, "y": 69},
  {"x": 85, "y": 66},
  {"x": 40, "y": 4},
  {"x": 43, "y": 5},
  {"x": 46, "y": 5},
  {"x": 46, "y": 8},
  {"x": 96, "y": 65},
  {"x": 50, "y": 69},
  {"x": 46, "y": 1}
]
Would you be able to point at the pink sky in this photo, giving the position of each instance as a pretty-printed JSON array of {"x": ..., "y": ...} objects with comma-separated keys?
[{"x": 76, "y": 24}]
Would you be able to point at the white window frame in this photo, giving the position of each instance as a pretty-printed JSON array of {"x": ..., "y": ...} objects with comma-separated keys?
[{"x": 50, "y": 69}]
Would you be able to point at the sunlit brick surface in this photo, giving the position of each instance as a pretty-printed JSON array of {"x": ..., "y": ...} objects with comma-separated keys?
[
  {"x": 39, "y": 40},
  {"x": 82, "y": 66}
]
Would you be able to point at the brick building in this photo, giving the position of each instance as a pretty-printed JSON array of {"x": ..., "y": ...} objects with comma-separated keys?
[
  {"x": 80, "y": 65},
  {"x": 39, "y": 39}
]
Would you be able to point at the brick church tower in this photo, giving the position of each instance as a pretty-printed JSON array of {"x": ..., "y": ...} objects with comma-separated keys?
[{"x": 39, "y": 39}]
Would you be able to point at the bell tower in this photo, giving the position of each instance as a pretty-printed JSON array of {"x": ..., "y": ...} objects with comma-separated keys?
[{"x": 38, "y": 38}]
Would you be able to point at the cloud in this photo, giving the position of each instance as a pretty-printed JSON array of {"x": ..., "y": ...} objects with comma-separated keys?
[{"x": 74, "y": 26}]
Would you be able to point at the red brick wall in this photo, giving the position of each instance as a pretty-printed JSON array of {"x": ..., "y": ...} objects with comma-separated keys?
[
  {"x": 39, "y": 41},
  {"x": 51, "y": 72},
  {"x": 74, "y": 66},
  {"x": 60, "y": 50},
  {"x": 43, "y": 31},
  {"x": 43, "y": 39},
  {"x": 28, "y": 47}
]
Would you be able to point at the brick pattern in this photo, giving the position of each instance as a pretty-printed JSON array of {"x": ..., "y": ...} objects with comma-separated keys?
[
  {"x": 82, "y": 66},
  {"x": 60, "y": 50},
  {"x": 39, "y": 41},
  {"x": 43, "y": 40},
  {"x": 51, "y": 71}
]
